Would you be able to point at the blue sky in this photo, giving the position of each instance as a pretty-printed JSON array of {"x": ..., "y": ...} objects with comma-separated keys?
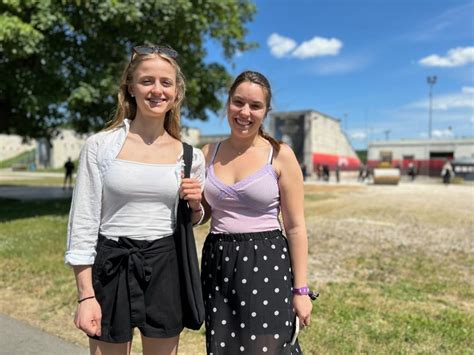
[{"x": 365, "y": 62}]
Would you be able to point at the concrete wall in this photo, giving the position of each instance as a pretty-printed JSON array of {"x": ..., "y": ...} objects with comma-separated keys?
[{"x": 11, "y": 146}]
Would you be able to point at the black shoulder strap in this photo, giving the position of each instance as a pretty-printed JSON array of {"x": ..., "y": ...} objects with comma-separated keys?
[{"x": 188, "y": 159}]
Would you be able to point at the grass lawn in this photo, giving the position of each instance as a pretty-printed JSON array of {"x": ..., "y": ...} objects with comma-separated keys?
[{"x": 392, "y": 278}]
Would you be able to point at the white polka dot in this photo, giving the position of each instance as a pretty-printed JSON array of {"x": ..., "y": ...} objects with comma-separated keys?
[
  {"x": 265, "y": 257},
  {"x": 286, "y": 323},
  {"x": 242, "y": 348},
  {"x": 284, "y": 277},
  {"x": 218, "y": 267},
  {"x": 217, "y": 288},
  {"x": 221, "y": 247},
  {"x": 277, "y": 290},
  {"x": 212, "y": 256},
  {"x": 265, "y": 279},
  {"x": 214, "y": 309},
  {"x": 265, "y": 302},
  {"x": 244, "y": 281},
  {"x": 213, "y": 332},
  {"x": 276, "y": 336},
  {"x": 242, "y": 325},
  {"x": 235, "y": 269},
  {"x": 254, "y": 314},
  {"x": 255, "y": 247},
  {"x": 232, "y": 335},
  {"x": 234, "y": 312},
  {"x": 226, "y": 300},
  {"x": 265, "y": 325},
  {"x": 224, "y": 322},
  {"x": 242, "y": 303},
  {"x": 222, "y": 345},
  {"x": 226, "y": 279},
  {"x": 286, "y": 300},
  {"x": 245, "y": 258},
  {"x": 264, "y": 349},
  {"x": 276, "y": 268},
  {"x": 253, "y": 337},
  {"x": 273, "y": 246},
  {"x": 233, "y": 292},
  {"x": 254, "y": 292},
  {"x": 285, "y": 250},
  {"x": 255, "y": 269},
  {"x": 283, "y": 256},
  {"x": 237, "y": 248},
  {"x": 226, "y": 258},
  {"x": 276, "y": 313}
]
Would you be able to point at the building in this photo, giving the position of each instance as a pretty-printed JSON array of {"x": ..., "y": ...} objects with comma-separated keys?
[
  {"x": 428, "y": 156},
  {"x": 316, "y": 138}
]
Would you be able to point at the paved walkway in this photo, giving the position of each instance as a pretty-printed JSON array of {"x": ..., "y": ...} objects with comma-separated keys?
[{"x": 17, "y": 338}]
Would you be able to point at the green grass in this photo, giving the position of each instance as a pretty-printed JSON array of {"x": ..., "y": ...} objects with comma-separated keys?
[
  {"x": 24, "y": 158},
  {"x": 399, "y": 300}
]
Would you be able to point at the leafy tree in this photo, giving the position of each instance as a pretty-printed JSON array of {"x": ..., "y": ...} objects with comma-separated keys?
[{"x": 60, "y": 61}]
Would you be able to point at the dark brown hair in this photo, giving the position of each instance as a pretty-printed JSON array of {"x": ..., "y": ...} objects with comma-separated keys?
[{"x": 259, "y": 79}]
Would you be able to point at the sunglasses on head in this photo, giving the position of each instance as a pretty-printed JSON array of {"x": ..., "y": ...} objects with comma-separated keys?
[{"x": 142, "y": 50}]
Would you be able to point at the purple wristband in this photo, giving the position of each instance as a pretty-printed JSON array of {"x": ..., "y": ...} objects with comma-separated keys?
[{"x": 302, "y": 291}]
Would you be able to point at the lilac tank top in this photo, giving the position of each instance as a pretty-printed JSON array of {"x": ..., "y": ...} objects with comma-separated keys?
[{"x": 250, "y": 205}]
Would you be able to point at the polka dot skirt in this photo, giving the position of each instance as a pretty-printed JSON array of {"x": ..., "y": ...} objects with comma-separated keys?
[{"x": 247, "y": 283}]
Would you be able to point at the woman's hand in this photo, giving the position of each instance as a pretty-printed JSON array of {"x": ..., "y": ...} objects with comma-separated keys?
[
  {"x": 303, "y": 306},
  {"x": 88, "y": 317},
  {"x": 191, "y": 191}
]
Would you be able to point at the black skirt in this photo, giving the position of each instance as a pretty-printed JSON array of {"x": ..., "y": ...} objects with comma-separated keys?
[
  {"x": 137, "y": 285},
  {"x": 247, "y": 282}
]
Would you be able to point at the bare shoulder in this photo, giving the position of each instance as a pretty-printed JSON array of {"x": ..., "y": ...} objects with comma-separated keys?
[
  {"x": 207, "y": 151},
  {"x": 285, "y": 159}
]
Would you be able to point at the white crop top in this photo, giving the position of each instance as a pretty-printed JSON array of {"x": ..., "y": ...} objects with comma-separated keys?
[{"x": 139, "y": 200}]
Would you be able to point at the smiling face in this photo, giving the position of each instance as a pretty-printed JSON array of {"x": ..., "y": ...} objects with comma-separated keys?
[
  {"x": 247, "y": 108},
  {"x": 154, "y": 87}
]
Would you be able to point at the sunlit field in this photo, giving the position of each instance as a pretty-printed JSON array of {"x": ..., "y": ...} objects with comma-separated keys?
[{"x": 393, "y": 265}]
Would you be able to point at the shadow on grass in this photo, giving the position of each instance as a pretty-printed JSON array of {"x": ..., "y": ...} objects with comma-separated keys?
[{"x": 11, "y": 209}]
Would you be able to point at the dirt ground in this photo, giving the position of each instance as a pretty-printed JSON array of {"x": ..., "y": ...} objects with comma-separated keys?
[{"x": 354, "y": 221}]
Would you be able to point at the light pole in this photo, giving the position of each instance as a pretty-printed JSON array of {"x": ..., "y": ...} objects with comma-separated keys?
[{"x": 431, "y": 80}]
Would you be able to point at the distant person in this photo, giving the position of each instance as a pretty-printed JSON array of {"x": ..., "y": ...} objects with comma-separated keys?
[
  {"x": 123, "y": 214},
  {"x": 411, "y": 171},
  {"x": 68, "y": 173},
  {"x": 303, "y": 171},
  {"x": 319, "y": 171},
  {"x": 325, "y": 172},
  {"x": 362, "y": 172},
  {"x": 447, "y": 172},
  {"x": 338, "y": 177}
]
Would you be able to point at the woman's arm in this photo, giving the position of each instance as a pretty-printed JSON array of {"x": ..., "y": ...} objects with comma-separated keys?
[
  {"x": 88, "y": 314},
  {"x": 292, "y": 209}
]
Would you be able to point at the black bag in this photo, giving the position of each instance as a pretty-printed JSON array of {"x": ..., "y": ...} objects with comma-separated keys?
[{"x": 191, "y": 290}]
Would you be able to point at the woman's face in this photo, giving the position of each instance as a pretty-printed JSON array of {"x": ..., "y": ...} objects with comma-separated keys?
[
  {"x": 154, "y": 87},
  {"x": 247, "y": 109}
]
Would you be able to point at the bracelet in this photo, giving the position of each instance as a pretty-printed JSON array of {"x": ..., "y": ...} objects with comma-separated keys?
[
  {"x": 85, "y": 298},
  {"x": 201, "y": 209},
  {"x": 305, "y": 291}
]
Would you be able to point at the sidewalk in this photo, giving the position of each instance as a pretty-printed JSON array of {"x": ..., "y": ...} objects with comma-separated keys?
[{"x": 17, "y": 338}]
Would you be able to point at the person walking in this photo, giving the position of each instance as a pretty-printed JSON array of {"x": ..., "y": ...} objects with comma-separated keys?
[
  {"x": 120, "y": 233},
  {"x": 254, "y": 275},
  {"x": 68, "y": 173}
]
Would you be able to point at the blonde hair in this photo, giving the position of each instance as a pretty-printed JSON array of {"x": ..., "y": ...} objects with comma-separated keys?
[
  {"x": 127, "y": 106},
  {"x": 259, "y": 79}
]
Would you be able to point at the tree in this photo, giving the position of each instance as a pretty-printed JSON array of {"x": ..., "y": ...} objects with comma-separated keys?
[{"x": 60, "y": 61}]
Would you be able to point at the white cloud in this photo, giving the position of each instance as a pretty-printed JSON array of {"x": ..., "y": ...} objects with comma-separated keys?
[
  {"x": 463, "y": 99},
  {"x": 442, "y": 133},
  {"x": 358, "y": 135},
  {"x": 279, "y": 45},
  {"x": 455, "y": 57},
  {"x": 317, "y": 47}
]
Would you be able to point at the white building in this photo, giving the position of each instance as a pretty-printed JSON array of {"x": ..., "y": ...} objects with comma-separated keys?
[
  {"x": 316, "y": 139},
  {"x": 428, "y": 156}
]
